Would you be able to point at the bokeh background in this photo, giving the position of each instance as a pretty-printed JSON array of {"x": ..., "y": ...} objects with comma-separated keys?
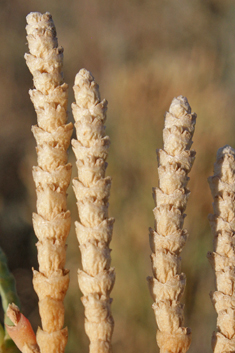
[{"x": 143, "y": 53}]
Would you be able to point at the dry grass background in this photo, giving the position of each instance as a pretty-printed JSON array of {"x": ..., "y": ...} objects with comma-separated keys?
[{"x": 142, "y": 53}]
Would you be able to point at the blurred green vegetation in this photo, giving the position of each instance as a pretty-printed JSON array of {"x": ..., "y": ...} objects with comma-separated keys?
[
  {"x": 143, "y": 53},
  {"x": 8, "y": 295}
]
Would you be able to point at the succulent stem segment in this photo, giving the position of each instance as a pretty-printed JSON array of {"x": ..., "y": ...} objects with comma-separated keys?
[
  {"x": 94, "y": 231},
  {"x": 21, "y": 332},
  {"x": 51, "y": 177},
  {"x": 167, "y": 240},
  {"x": 222, "y": 259}
]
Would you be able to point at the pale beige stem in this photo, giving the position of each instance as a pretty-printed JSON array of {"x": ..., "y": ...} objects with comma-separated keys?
[
  {"x": 94, "y": 231},
  {"x": 51, "y": 177},
  {"x": 167, "y": 240},
  {"x": 222, "y": 259}
]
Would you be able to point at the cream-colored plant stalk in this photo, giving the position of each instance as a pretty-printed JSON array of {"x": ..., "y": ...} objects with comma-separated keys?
[
  {"x": 94, "y": 231},
  {"x": 167, "y": 240},
  {"x": 222, "y": 185},
  {"x": 51, "y": 177}
]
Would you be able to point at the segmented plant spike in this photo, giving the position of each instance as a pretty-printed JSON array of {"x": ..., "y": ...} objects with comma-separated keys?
[
  {"x": 51, "y": 177},
  {"x": 167, "y": 240},
  {"x": 94, "y": 231},
  {"x": 222, "y": 259}
]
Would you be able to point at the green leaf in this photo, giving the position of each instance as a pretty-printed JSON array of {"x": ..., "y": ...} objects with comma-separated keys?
[{"x": 9, "y": 295}]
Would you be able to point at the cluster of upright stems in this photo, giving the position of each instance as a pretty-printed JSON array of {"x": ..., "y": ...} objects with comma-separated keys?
[
  {"x": 51, "y": 176},
  {"x": 94, "y": 231},
  {"x": 222, "y": 185},
  {"x": 167, "y": 240}
]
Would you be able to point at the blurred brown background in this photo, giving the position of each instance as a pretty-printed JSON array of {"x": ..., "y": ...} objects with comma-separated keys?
[{"x": 143, "y": 53}]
